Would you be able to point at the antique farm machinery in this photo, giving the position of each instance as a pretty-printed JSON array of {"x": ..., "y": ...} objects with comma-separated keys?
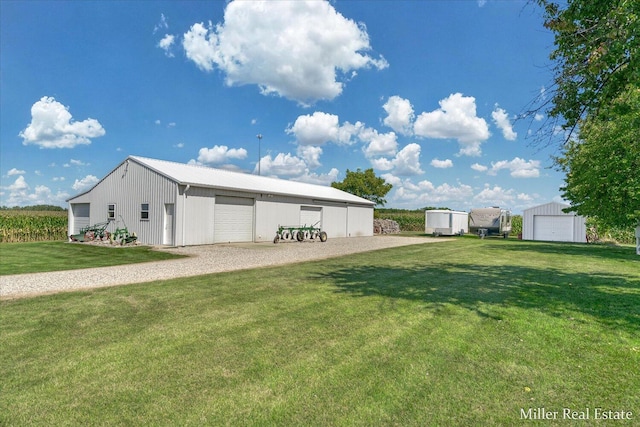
[
  {"x": 98, "y": 232},
  {"x": 92, "y": 232},
  {"x": 300, "y": 233},
  {"x": 122, "y": 235}
]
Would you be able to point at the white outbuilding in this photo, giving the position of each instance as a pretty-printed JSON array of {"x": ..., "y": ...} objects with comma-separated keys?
[
  {"x": 177, "y": 204},
  {"x": 549, "y": 223}
]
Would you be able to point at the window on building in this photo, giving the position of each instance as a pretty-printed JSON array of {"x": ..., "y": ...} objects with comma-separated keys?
[
  {"x": 144, "y": 211},
  {"x": 111, "y": 211}
]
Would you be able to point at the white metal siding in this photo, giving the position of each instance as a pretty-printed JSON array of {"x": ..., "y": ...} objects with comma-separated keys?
[
  {"x": 199, "y": 214},
  {"x": 128, "y": 187},
  {"x": 81, "y": 216},
  {"x": 575, "y": 224},
  {"x": 334, "y": 221},
  {"x": 311, "y": 216},
  {"x": 233, "y": 219},
  {"x": 359, "y": 221},
  {"x": 553, "y": 228}
]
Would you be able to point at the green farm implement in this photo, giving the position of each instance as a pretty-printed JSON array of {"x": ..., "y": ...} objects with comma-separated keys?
[
  {"x": 300, "y": 233},
  {"x": 122, "y": 235},
  {"x": 92, "y": 232},
  {"x": 99, "y": 232}
]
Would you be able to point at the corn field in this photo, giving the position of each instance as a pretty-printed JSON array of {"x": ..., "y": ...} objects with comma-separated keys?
[{"x": 32, "y": 226}]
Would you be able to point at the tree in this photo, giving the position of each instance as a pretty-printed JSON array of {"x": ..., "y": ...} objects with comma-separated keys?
[
  {"x": 366, "y": 185},
  {"x": 603, "y": 166},
  {"x": 596, "y": 55},
  {"x": 594, "y": 99}
]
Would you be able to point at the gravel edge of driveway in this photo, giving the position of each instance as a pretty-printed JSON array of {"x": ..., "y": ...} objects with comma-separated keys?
[{"x": 205, "y": 259}]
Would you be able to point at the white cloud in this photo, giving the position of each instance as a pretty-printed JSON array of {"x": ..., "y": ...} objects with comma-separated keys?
[
  {"x": 400, "y": 115},
  {"x": 406, "y": 161},
  {"x": 14, "y": 171},
  {"x": 85, "y": 183},
  {"x": 425, "y": 193},
  {"x": 496, "y": 196},
  {"x": 311, "y": 155},
  {"x": 162, "y": 25},
  {"x": 442, "y": 164},
  {"x": 519, "y": 168},
  {"x": 501, "y": 119},
  {"x": 19, "y": 194},
  {"x": 347, "y": 131},
  {"x": 478, "y": 167},
  {"x": 320, "y": 179},
  {"x": 455, "y": 119},
  {"x": 296, "y": 49},
  {"x": 378, "y": 144},
  {"x": 166, "y": 44},
  {"x": 220, "y": 154},
  {"x": 315, "y": 129},
  {"x": 52, "y": 126},
  {"x": 282, "y": 165}
]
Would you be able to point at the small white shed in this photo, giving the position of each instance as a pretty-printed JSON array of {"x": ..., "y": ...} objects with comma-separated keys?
[{"x": 549, "y": 223}]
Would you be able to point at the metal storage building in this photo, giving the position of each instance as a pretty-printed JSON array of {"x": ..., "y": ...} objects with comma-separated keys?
[
  {"x": 177, "y": 204},
  {"x": 549, "y": 223}
]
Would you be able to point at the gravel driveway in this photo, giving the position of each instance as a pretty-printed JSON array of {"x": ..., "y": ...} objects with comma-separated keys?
[{"x": 201, "y": 260}]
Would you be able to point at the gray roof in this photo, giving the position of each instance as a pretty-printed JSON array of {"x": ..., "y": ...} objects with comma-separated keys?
[{"x": 203, "y": 176}]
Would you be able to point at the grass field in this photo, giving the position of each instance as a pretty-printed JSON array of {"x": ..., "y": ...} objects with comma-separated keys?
[
  {"x": 469, "y": 332},
  {"x": 35, "y": 257}
]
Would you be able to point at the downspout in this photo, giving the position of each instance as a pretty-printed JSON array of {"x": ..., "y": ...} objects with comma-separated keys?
[{"x": 184, "y": 211}]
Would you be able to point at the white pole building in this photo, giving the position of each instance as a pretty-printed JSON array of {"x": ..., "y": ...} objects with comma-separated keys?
[
  {"x": 177, "y": 204},
  {"x": 549, "y": 222}
]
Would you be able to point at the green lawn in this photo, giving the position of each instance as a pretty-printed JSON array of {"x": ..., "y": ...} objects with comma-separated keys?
[
  {"x": 18, "y": 258},
  {"x": 466, "y": 332}
]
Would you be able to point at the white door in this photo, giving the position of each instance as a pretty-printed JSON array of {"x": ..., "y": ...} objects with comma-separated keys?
[
  {"x": 80, "y": 216},
  {"x": 167, "y": 239},
  {"x": 311, "y": 216},
  {"x": 553, "y": 228},
  {"x": 233, "y": 219}
]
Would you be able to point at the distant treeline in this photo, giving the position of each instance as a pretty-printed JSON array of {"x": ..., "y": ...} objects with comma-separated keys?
[{"x": 47, "y": 208}]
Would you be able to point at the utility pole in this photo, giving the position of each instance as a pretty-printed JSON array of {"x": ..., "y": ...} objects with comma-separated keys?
[{"x": 259, "y": 136}]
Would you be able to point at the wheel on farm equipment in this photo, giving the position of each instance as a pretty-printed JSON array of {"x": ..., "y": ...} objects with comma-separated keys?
[
  {"x": 323, "y": 236},
  {"x": 300, "y": 236},
  {"x": 276, "y": 239}
]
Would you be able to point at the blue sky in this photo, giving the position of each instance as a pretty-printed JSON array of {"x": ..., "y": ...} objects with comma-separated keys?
[{"x": 425, "y": 92}]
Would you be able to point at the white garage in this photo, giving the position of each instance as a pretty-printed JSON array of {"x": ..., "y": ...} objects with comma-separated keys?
[
  {"x": 549, "y": 223},
  {"x": 169, "y": 203}
]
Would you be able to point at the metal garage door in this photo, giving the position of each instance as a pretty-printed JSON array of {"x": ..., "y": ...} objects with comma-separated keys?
[
  {"x": 311, "y": 215},
  {"x": 233, "y": 219},
  {"x": 553, "y": 228},
  {"x": 80, "y": 216}
]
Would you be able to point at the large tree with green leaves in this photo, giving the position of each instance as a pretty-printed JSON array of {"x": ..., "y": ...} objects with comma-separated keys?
[
  {"x": 596, "y": 58},
  {"x": 365, "y": 184},
  {"x": 594, "y": 100},
  {"x": 602, "y": 166}
]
